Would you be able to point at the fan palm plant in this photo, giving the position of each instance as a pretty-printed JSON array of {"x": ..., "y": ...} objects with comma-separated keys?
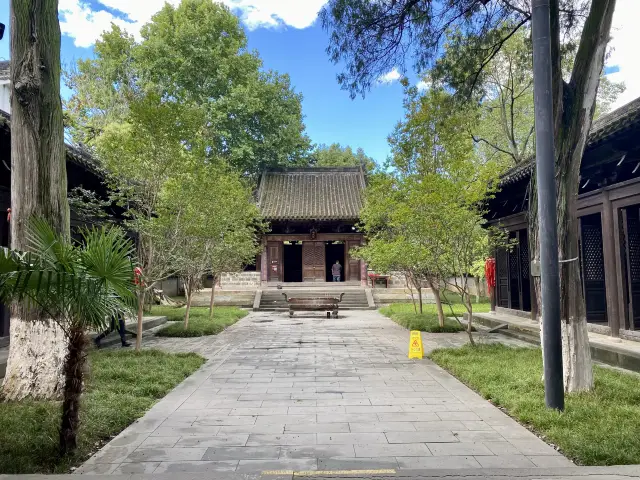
[{"x": 79, "y": 286}]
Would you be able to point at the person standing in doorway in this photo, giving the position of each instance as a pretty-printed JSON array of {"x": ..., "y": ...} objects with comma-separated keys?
[{"x": 336, "y": 270}]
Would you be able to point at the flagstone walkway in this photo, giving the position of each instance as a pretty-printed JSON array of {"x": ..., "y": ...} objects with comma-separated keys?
[{"x": 309, "y": 393}]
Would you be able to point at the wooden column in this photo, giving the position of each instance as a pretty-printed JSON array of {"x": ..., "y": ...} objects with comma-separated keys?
[
  {"x": 610, "y": 264},
  {"x": 264, "y": 268}
]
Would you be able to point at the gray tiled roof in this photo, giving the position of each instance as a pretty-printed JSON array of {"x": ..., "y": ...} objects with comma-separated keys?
[
  {"x": 4, "y": 69},
  {"x": 603, "y": 127},
  {"x": 319, "y": 193}
]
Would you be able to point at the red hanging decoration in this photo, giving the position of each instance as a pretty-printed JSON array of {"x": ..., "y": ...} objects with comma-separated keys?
[
  {"x": 8, "y": 214},
  {"x": 137, "y": 276},
  {"x": 490, "y": 272}
]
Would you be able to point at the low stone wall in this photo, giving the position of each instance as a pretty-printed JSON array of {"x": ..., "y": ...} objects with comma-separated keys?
[{"x": 240, "y": 280}]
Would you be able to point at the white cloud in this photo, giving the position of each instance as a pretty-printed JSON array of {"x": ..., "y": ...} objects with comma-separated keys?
[
  {"x": 422, "y": 86},
  {"x": 625, "y": 40},
  {"x": 85, "y": 24},
  {"x": 390, "y": 77}
]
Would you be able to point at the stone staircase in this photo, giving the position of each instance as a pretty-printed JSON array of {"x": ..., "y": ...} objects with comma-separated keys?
[{"x": 354, "y": 298}]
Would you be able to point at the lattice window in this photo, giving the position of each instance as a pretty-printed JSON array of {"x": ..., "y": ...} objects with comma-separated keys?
[
  {"x": 513, "y": 263},
  {"x": 633, "y": 229},
  {"x": 592, "y": 256},
  {"x": 502, "y": 263},
  {"x": 524, "y": 256}
]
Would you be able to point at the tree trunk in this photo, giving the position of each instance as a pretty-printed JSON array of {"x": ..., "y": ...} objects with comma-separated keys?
[
  {"x": 211, "y": 300},
  {"x": 38, "y": 186},
  {"x": 74, "y": 374},
  {"x": 436, "y": 294},
  {"x": 420, "y": 298},
  {"x": 574, "y": 104},
  {"x": 470, "y": 322},
  {"x": 140, "y": 319},
  {"x": 188, "y": 309}
]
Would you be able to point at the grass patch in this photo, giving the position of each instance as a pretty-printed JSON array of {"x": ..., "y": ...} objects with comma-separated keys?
[
  {"x": 121, "y": 386},
  {"x": 404, "y": 314},
  {"x": 597, "y": 428},
  {"x": 199, "y": 322}
]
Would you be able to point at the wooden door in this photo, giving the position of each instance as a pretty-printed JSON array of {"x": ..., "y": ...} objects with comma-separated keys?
[
  {"x": 502, "y": 277},
  {"x": 592, "y": 260},
  {"x": 313, "y": 267},
  {"x": 352, "y": 264},
  {"x": 274, "y": 255},
  {"x": 632, "y": 237}
]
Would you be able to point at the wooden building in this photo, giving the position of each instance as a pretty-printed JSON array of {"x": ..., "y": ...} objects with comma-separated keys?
[
  {"x": 82, "y": 171},
  {"x": 609, "y": 216},
  {"x": 313, "y": 215}
]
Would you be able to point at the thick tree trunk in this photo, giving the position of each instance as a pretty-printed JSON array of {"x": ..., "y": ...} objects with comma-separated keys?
[
  {"x": 470, "y": 322},
  {"x": 436, "y": 294},
  {"x": 74, "y": 375},
  {"x": 420, "y": 298},
  {"x": 38, "y": 185},
  {"x": 574, "y": 105}
]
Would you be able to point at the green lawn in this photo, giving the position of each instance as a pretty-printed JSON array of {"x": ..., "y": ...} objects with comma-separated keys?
[
  {"x": 597, "y": 428},
  {"x": 199, "y": 322},
  {"x": 404, "y": 314},
  {"x": 121, "y": 387}
]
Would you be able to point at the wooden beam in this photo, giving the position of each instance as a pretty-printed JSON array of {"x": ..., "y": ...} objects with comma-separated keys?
[{"x": 610, "y": 264}]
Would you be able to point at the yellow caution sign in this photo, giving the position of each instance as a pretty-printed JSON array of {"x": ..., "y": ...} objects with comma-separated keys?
[{"x": 415, "y": 345}]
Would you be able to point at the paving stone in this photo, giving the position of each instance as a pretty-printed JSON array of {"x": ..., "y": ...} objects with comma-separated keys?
[
  {"x": 295, "y": 464},
  {"x": 460, "y": 448},
  {"x": 438, "y": 425},
  {"x": 317, "y": 451},
  {"x": 505, "y": 461},
  {"x": 249, "y": 429},
  {"x": 240, "y": 453},
  {"x": 231, "y": 440},
  {"x": 185, "y": 431},
  {"x": 550, "y": 461},
  {"x": 162, "y": 442},
  {"x": 432, "y": 436},
  {"x": 457, "y": 416},
  {"x": 133, "y": 468},
  {"x": 478, "y": 436},
  {"x": 350, "y": 438},
  {"x": 362, "y": 463},
  {"x": 442, "y": 463},
  {"x": 533, "y": 447},
  {"x": 283, "y": 439},
  {"x": 166, "y": 454},
  {"x": 381, "y": 450},
  {"x": 408, "y": 417},
  {"x": 318, "y": 428},
  {"x": 382, "y": 427},
  {"x": 502, "y": 448},
  {"x": 346, "y": 418},
  {"x": 180, "y": 467},
  {"x": 228, "y": 420}
]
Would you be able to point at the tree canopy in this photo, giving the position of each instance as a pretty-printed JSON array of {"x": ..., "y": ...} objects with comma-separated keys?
[
  {"x": 192, "y": 59},
  {"x": 335, "y": 155}
]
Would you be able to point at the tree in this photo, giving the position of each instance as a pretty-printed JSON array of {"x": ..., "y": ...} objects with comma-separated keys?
[
  {"x": 141, "y": 153},
  {"x": 373, "y": 37},
  {"x": 219, "y": 232},
  {"x": 335, "y": 155},
  {"x": 192, "y": 55},
  {"x": 79, "y": 288},
  {"x": 38, "y": 187}
]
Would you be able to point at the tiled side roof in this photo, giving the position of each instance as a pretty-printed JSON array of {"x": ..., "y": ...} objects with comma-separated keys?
[
  {"x": 311, "y": 194},
  {"x": 76, "y": 154},
  {"x": 602, "y": 128},
  {"x": 5, "y": 65}
]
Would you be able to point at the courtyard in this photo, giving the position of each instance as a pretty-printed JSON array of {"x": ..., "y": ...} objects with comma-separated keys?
[{"x": 308, "y": 393}]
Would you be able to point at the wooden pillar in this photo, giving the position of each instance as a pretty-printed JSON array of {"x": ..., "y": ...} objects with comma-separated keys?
[
  {"x": 610, "y": 264},
  {"x": 264, "y": 268}
]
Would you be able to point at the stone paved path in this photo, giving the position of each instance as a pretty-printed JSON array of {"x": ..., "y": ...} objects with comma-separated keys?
[{"x": 314, "y": 394}]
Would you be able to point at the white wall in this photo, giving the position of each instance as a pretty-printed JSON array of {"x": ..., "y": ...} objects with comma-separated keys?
[{"x": 5, "y": 96}]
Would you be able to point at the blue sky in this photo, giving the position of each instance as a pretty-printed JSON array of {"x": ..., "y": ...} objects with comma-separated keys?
[{"x": 289, "y": 39}]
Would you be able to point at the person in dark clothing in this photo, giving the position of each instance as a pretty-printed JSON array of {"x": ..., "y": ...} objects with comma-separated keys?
[
  {"x": 121, "y": 330},
  {"x": 336, "y": 270}
]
